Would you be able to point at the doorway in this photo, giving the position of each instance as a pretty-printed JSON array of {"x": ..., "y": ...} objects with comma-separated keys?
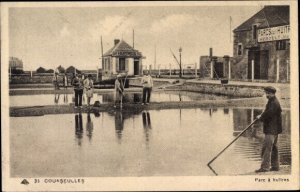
[
  {"x": 264, "y": 64},
  {"x": 255, "y": 56},
  {"x": 136, "y": 64},
  {"x": 261, "y": 64},
  {"x": 218, "y": 67}
]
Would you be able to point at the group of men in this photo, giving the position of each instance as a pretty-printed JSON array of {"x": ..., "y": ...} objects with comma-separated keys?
[
  {"x": 147, "y": 83},
  {"x": 81, "y": 86}
]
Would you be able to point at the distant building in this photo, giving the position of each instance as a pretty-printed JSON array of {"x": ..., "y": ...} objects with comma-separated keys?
[
  {"x": 213, "y": 67},
  {"x": 261, "y": 47},
  {"x": 15, "y": 63},
  {"x": 122, "y": 58},
  {"x": 72, "y": 69}
]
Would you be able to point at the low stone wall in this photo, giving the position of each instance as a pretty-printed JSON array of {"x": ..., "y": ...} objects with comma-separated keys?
[
  {"x": 136, "y": 82},
  {"x": 219, "y": 89},
  {"x": 208, "y": 88},
  {"x": 27, "y": 79}
]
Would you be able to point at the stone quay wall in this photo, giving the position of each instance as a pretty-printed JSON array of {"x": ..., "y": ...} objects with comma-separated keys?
[{"x": 208, "y": 88}]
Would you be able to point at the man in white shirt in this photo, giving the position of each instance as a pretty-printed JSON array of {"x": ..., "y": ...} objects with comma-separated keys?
[{"x": 147, "y": 83}]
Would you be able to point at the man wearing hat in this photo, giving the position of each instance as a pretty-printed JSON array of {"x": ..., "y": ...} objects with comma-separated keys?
[
  {"x": 118, "y": 93},
  {"x": 271, "y": 118}
]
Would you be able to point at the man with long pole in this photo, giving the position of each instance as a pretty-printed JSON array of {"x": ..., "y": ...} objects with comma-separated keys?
[{"x": 272, "y": 126}]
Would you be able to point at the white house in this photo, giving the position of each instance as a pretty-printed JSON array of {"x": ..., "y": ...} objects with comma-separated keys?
[{"x": 122, "y": 58}]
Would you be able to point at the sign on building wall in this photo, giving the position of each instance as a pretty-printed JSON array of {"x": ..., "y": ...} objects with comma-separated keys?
[
  {"x": 126, "y": 53},
  {"x": 273, "y": 33}
]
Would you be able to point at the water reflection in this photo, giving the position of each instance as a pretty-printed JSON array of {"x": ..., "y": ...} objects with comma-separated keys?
[
  {"x": 66, "y": 98},
  {"x": 119, "y": 124},
  {"x": 146, "y": 125},
  {"x": 78, "y": 128},
  {"x": 89, "y": 126},
  {"x": 255, "y": 136},
  {"x": 226, "y": 111},
  {"x": 210, "y": 110},
  {"x": 192, "y": 140},
  {"x": 161, "y": 96},
  {"x": 56, "y": 98}
]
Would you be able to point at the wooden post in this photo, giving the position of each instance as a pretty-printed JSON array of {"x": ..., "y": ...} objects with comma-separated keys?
[
  {"x": 170, "y": 69},
  {"x": 158, "y": 70},
  {"x": 252, "y": 70},
  {"x": 196, "y": 70},
  {"x": 277, "y": 69},
  {"x": 252, "y": 114},
  {"x": 211, "y": 69},
  {"x": 229, "y": 70},
  {"x": 97, "y": 74},
  {"x": 102, "y": 61},
  {"x": 287, "y": 70},
  {"x": 31, "y": 74}
]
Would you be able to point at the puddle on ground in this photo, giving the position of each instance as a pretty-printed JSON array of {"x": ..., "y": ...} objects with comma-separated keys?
[
  {"x": 159, "y": 96},
  {"x": 151, "y": 143}
]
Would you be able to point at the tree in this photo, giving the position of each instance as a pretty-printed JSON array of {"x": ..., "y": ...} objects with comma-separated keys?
[
  {"x": 72, "y": 69},
  {"x": 41, "y": 70},
  {"x": 61, "y": 69},
  {"x": 50, "y": 71}
]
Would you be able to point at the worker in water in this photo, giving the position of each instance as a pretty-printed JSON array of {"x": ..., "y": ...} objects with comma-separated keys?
[
  {"x": 147, "y": 83},
  {"x": 272, "y": 126},
  {"x": 118, "y": 93}
]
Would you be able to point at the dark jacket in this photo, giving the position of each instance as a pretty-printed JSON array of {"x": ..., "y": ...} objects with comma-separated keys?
[
  {"x": 77, "y": 83},
  {"x": 271, "y": 117}
]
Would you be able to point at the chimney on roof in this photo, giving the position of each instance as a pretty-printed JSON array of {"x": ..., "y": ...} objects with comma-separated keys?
[{"x": 117, "y": 41}]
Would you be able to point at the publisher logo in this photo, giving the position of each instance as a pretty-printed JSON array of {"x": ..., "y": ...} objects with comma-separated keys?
[{"x": 25, "y": 182}]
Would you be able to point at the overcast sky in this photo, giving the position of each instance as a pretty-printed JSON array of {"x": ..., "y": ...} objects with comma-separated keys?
[{"x": 50, "y": 37}]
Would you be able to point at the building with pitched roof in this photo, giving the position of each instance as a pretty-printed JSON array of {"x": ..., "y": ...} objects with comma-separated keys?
[
  {"x": 121, "y": 58},
  {"x": 261, "y": 47}
]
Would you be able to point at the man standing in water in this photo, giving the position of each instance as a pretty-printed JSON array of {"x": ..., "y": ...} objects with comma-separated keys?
[
  {"x": 271, "y": 118},
  {"x": 88, "y": 88},
  {"x": 147, "y": 83},
  {"x": 78, "y": 89},
  {"x": 118, "y": 93}
]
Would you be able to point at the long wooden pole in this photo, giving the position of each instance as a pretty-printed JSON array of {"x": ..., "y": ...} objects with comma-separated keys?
[{"x": 232, "y": 142}]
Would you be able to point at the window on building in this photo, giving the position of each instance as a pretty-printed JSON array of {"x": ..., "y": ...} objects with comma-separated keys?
[
  {"x": 121, "y": 64},
  {"x": 281, "y": 45},
  {"x": 254, "y": 32},
  {"x": 107, "y": 64},
  {"x": 240, "y": 49}
]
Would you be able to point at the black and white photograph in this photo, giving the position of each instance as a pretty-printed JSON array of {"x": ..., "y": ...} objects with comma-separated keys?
[{"x": 139, "y": 96}]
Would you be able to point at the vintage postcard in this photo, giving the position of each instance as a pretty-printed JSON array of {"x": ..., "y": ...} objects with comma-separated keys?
[{"x": 139, "y": 96}]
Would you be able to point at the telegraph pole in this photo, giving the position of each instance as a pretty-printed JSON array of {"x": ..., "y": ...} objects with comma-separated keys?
[{"x": 180, "y": 72}]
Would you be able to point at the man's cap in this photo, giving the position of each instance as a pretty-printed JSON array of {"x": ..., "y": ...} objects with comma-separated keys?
[
  {"x": 119, "y": 75},
  {"x": 270, "y": 89}
]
